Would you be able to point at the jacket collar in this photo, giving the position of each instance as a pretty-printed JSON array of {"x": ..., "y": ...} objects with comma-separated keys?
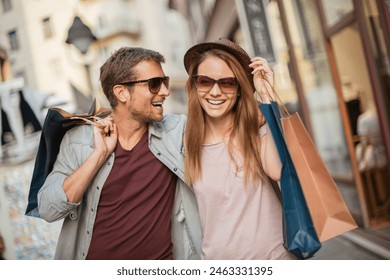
[{"x": 156, "y": 129}]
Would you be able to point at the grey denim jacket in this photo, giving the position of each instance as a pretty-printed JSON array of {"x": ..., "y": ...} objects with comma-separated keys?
[{"x": 165, "y": 142}]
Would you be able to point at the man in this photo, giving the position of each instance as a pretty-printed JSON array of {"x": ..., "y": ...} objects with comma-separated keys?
[
  {"x": 119, "y": 185},
  {"x": 2, "y": 248}
]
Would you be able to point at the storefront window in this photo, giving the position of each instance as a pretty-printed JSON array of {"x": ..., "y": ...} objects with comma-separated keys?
[
  {"x": 363, "y": 118},
  {"x": 320, "y": 94},
  {"x": 370, "y": 148},
  {"x": 378, "y": 45},
  {"x": 335, "y": 9}
]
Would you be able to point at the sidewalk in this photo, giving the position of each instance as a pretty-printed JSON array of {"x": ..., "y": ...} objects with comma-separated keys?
[{"x": 355, "y": 245}]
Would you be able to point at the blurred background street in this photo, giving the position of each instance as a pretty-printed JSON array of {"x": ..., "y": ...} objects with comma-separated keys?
[
  {"x": 31, "y": 238},
  {"x": 330, "y": 60}
]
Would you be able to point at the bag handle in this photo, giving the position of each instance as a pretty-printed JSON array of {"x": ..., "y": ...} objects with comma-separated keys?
[
  {"x": 86, "y": 118},
  {"x": 273, "y": 96},
  {"x": 276, "y": 188}
]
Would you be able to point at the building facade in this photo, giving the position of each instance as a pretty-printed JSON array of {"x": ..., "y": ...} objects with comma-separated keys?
[{"x": 33, "y": 35}]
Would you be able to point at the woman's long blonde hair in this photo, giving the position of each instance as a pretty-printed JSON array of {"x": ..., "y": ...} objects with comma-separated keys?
[{"x": 244, "y": 137}]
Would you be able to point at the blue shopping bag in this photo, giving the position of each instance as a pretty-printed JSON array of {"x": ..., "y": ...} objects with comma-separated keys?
[{"x": 300, "y": 237}]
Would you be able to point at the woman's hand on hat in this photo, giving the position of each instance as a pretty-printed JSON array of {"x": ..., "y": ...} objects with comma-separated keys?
[{"x": 263, "y": 78}]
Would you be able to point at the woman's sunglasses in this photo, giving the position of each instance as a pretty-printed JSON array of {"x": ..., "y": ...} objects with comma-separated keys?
[
  {"x": 226, "y": 85},
  {"x": 153, "y": 83}
]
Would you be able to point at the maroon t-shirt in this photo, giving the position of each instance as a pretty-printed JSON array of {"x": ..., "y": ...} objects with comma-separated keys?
[{"x": 134, "y": 213}]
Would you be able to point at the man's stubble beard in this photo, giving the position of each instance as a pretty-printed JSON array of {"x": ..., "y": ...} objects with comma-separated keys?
[{"x": 145, "y": 118}]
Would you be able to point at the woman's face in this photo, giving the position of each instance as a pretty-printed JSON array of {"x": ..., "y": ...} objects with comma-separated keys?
[{"x": 216, "y": 99}]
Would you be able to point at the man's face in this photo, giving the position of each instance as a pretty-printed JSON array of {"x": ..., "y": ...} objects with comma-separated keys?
[{"x": 144, "y": 105}]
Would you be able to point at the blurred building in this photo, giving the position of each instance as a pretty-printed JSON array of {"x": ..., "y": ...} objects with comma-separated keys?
[
  {"x": 38, "y": 52},
  {"x": 33, "y": 35},
  {"x": 331, "y": 64}
]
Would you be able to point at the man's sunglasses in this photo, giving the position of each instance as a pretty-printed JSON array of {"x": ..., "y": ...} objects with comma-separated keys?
[
  {"x": 226, "y": 85},
  {"x": 153, "y": 83}
]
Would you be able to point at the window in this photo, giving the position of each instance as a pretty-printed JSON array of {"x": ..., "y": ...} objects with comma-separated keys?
[
  {"x": 21, "y": 74},
  {"x": 13, "y": 40},
  {"x": 7, "y": 6},
  {"x": 55, "y": 68},
  {"x": 47, "y": 30},
  {"x": 104, "y": 52},
  {"x": 102, "y": 24},
  {"x": 317, "y": 85},
  {"x": 335, "y": 10}
]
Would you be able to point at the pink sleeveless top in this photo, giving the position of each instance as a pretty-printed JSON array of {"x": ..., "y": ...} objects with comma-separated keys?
[{"x": 239, "y": 222}]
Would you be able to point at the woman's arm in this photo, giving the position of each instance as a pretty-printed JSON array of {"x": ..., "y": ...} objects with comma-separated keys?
[{"x": 269, "y": 154}]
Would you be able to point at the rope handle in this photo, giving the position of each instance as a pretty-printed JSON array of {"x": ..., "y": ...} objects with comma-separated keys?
[
  {"x": 273, "y": 96},
  {"x": 89, "y": 120}
]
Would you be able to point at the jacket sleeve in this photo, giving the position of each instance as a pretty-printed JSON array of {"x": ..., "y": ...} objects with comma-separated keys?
[
  {"x": 269, "y": 154},
  {"x": 52, "y": 200}
]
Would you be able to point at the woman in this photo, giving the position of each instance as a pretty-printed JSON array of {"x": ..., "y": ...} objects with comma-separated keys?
[{"x": 230, "y": 156}]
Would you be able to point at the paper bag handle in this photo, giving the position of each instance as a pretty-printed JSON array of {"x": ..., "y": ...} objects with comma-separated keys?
[{"x": 274, "y": 97}]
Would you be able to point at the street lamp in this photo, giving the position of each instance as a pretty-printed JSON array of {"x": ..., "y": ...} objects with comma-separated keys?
[{"x": 81, "y": 36}]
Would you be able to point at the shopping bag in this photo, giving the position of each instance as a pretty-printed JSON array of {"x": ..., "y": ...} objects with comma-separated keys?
[
  {"x": 300, "y": 237},
  {"x": 56, "y": 124},
  {"x": 328, "y": 210}
]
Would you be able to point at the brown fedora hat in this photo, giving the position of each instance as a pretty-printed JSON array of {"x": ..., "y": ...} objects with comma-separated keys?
[{"x": 223, "y": 44}]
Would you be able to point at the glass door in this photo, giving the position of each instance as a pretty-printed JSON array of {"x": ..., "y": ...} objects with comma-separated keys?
[{"x": 360, "y": 97}]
